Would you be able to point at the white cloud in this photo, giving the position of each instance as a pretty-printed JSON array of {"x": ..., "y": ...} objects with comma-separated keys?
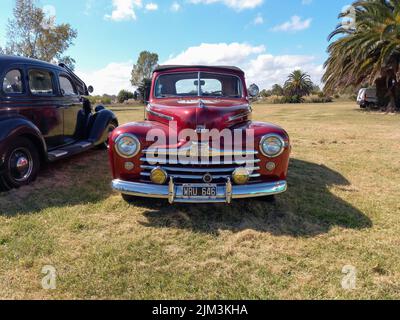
[
  {"x": 175, "y": 7},
  {"x": 124, "y": 10},
  {"x": 260, "y": 67},
  {"x": 151, "y": 6},
  {"x": 258, "y": 19},
  {"x": 294, "y": 24},
  {"x": 216, "y": 53},
  {"x": 110, "y": 79},
  {"x": 266, "y": 69},
  {"x": 235, "y": 4},
  {"x": 306, "y": 2}
]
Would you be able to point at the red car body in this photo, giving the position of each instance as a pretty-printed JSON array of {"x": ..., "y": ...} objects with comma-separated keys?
[{"x": 133, "y": 175}]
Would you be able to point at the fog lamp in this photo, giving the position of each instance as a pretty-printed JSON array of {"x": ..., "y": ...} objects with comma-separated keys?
[
  {"x": 241, "y": 176},
  {"x": 270, "y": 166},
  {"x": 158, "y": 176},
  {"x": 129, "y": 166}
]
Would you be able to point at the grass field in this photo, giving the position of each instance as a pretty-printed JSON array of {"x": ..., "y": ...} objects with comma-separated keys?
[{"x": 342, "y": 208}]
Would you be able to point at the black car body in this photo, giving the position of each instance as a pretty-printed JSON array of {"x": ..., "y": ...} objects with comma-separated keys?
[{"x": 44, "y": 116}]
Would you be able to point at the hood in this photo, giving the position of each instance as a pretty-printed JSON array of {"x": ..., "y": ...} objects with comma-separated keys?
[{"x": 200, "y": 113}]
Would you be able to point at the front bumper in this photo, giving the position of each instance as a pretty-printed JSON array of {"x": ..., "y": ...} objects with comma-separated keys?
[{"x": 174, "y": 192}]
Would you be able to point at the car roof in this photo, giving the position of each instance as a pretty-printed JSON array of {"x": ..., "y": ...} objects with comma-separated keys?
[
  {"x": 177, "y": 67},
  {"x": 7, "y": 60}
]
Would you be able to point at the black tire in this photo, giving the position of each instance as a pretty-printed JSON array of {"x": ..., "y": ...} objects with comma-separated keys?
[
  {"x": 127, "y": 198},
  {"x": 21, "y": 164},
  {"x": 110, "y": 128}
]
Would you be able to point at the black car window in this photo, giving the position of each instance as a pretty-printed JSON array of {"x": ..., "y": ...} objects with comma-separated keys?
[
  {"x": 12, "y": 82},
  {"x": 41, "y": 82},
  {"x": 66, "y": 86}
]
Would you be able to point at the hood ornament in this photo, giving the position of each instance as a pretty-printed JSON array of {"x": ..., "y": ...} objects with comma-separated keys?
[{"x": 201, "y": 129}]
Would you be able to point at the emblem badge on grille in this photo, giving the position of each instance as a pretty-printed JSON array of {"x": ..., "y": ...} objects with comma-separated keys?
[
  {"x": 208, "y": 178},
  {"x": 199, "y": 150}
]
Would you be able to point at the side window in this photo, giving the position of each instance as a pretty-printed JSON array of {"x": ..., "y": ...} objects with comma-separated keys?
[
  {"x": 41, "y": 82},
  {"x": 66, "y": 86},
  {"x": 12, "y": 82}
]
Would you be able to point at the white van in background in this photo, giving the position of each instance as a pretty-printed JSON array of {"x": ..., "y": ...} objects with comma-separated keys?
[{"x": 367, "y": 98}]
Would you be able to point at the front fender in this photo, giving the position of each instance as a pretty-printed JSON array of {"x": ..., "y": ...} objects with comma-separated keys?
[
  {"x": 262, "y": 129},
  {"x": 140, "y": 130},
  {"x": 98, "y": 123},
  {"x": 13, "y": 127}
]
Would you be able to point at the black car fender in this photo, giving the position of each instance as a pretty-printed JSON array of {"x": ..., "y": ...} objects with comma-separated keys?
[
  {"x": 13, "y": 127},
  {"x": 98, "y": 122}
]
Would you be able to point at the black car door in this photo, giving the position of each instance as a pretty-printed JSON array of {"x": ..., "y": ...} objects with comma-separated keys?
[
  {"x": 72, "y": 106},
  {"x": 46, "y": 113}
]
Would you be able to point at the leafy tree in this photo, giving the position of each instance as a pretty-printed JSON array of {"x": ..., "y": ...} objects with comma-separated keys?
[
  {"x": 124, "y": 95},
  {"x": 68, "y": 61},
  {"x": 106, "y": 99},
  {"x": 316, "y": 90},
  {"x": 144, "y": 90},
  {"x": 298, "y": 84},
  {"x": 367, "y": 51},
  {"x": 265, "y": 93},
  {"x": 143, "y": 69},
  {"x": 277, "y": 90},
  {"x": 34, "y": 35}
]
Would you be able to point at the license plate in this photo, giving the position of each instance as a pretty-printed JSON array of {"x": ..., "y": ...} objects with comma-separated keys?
[{"x": 199, "y": 191}]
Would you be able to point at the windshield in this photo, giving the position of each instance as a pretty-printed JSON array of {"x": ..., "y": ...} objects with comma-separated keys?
[{"x": 198, "y": 84}]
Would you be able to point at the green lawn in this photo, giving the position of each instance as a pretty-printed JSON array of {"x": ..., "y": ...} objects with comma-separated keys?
[{"x": 342, "y": 208}]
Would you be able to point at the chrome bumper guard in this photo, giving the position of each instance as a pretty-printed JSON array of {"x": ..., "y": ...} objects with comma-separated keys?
[{"x": 174, "y": 192}]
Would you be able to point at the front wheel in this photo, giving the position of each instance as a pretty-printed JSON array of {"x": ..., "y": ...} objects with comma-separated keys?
[{"x": 21, "y": 164}]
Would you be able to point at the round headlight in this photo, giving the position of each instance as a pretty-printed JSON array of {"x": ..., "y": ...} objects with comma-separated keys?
[
  {"x": 127, "y": 145},
  {"x": 272, "y": 145}
]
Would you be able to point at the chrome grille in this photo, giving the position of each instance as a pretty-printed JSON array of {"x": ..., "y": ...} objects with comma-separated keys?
[{"x": 219, "y": 168}]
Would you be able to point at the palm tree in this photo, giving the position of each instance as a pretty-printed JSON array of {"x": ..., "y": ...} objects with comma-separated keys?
[
  {"x": 277, "y": 90},
  {"x": 298, "y": 84},
  {"x": 368, "y": 51}
]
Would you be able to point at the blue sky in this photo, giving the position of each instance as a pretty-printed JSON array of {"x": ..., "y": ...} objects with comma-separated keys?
[{"x": 267, "y": 38}]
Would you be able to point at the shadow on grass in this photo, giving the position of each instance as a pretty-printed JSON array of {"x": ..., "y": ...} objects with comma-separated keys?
[
  {"x": 306, "y": 210},
  {"x": 81, "y": 179}
]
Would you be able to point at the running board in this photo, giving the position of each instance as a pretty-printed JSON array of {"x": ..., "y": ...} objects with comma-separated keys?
[{"x": 69, "y": 150}]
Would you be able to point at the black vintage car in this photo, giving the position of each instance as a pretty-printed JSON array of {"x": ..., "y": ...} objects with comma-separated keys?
[{"x": 44, "y": 116}]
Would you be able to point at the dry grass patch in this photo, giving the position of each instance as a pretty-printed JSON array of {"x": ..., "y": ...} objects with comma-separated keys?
[{"x": 342, "y": 208}]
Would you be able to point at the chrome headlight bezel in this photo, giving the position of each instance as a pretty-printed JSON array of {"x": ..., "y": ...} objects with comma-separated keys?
[
  {"x": 134, "y": 139},
  {"x": 281, "y": 141}
]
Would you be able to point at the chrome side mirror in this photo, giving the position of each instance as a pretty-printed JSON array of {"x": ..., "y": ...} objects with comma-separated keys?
[{"x": 253, "y": 90}]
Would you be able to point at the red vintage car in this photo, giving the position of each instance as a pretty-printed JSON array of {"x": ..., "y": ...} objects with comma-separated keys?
[{"x": 198, "y": 143}]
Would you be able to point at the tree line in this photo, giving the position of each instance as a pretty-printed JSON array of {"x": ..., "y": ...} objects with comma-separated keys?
[
  {"x": 297, "y": 86},
  {"x": 365, "y": 52},
  {"x": 33, "y": 34}
]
